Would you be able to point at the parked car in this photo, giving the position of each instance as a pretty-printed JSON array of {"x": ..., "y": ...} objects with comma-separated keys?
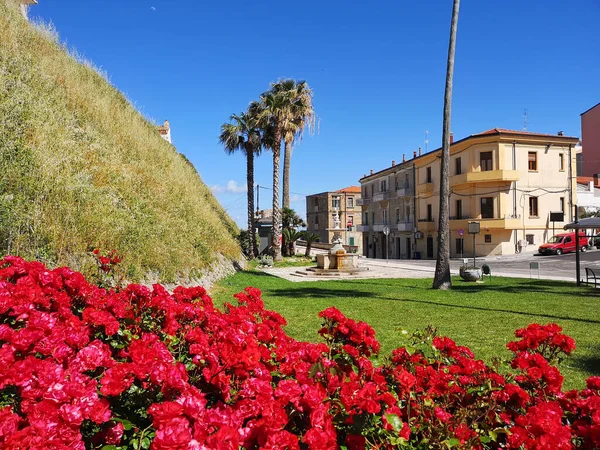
[{"x": 564, "y": 243}]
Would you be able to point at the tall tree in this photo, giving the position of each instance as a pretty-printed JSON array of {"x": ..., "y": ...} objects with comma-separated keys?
[
  {"x": 441, "y": 279},
  {"x": 298, "y": 114},
  {"x": 244, "y": 135}
]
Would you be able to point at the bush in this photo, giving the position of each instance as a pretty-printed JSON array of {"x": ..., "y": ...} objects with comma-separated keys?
[{"x": 85, "y": 367}]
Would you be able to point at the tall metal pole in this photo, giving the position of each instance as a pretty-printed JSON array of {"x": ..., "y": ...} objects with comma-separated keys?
[
  {"x": 577, "y": 268},
  {"x": 474, "y": 265}
]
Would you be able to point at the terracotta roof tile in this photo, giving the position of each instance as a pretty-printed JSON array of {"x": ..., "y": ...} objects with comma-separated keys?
[
  {"x": 521, "y": 133},
  {"x": 349, "y": 190},
  {"x": 586, "y": 180}
]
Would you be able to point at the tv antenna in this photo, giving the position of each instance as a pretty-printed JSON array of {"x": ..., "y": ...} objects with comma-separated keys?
[
  {"x": 525, "y": 121},
  {"x": 426, "y": 140}
]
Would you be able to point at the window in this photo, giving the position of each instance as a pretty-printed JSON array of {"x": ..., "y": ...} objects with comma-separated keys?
[
  {"x": 459, "y": 209},
  {"x": 408, "y": 213},
  {"x": 458, "y": 164},
  {"x": 487, "y": 207},
  {"x": 533, "y": 207},
  {"x": 384, "y": 216},
  {"x": 530, "y": 239},
  {"x": 366, "y": 218},
  {"x": 373, "y": 217},
  {"x": 372, "y": 189},
  {"x": 428, "y": 176},
  {"x": 488, "y": 238},
  {"x": 397, "y": 215},
  {"x": 316, "y": 220},
  {"x": 349, "y": 202},
  {"x": 406, "y": 183},
  {"x": 429, "y": 213},
  {"x": 350, "y": 221},
  {"x": 532, "y": 158},
  {"x": 562, "y": 204},
  {"x": 397, "y": 183},
  {"x": 383, "y": 186},
  {"x": 485, "y": 161},
  {"x": 335, "y": 202},
  {"x": 561, "y": 162}
]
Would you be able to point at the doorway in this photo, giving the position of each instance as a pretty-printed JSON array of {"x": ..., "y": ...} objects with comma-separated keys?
[
  {"x": 430, "y": 246},
  {"x": 408, "y": 249},
  {"x": 398, "y": 248}
]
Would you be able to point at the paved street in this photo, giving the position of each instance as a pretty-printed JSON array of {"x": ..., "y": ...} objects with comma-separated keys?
[
  {"x": 551, "y": 267},
  {"x": 556, "y": 267}
]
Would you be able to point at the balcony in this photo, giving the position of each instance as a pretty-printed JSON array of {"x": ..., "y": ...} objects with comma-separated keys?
[
  {"x": 427, "y": 225},
  {"x": 380, "y": 196},
  {"x": 425, "y": 188},
  {"x": 405, "y": 191},
  {"x": 363, "y": 228},
  {"x": 363, "y": 201},
  {"x": 507, "y": 222},
  {"x": 378, "y": 227},
  {"x": 405, "y": 226},
  {"x": 487, "y": 176}
]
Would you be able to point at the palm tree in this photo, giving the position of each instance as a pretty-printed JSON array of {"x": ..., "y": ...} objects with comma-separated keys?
[
  {"x": 298, "y": 114},
  {"x": 291, "y": 236},
  {"x": 309, "y": 238},
  {"x": 244, "y": 135},
  {"x": 441, "y": 279}
]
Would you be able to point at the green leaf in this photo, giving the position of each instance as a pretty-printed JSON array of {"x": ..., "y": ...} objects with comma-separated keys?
[
  {"x": 146, "y": 443},
  {"x": 109, "y": 447},
  {"x": 452, "y": 442},
  {"x": 394, "y": 421}
]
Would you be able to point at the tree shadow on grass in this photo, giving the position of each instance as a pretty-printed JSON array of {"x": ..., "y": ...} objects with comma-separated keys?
[
  {"x": 481, "y": 308},
  {"x": 588, "y": 363},
  {"x": 301, "y": 292}
]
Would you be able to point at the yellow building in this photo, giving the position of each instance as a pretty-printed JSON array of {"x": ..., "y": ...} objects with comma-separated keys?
[{"x": 507, "y": 181}]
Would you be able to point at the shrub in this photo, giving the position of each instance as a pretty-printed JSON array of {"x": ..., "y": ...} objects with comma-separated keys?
[{"x": 87, "y": 367}]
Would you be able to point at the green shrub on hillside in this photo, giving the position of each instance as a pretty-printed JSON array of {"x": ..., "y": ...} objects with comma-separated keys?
[{"x": 82, "y": 168}]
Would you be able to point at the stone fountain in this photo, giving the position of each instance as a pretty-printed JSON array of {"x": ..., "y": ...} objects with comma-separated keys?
[{"x": 336, "y": 261}]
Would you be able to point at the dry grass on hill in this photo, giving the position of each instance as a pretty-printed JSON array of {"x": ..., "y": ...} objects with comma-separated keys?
[{"x": 81, "y": 167}]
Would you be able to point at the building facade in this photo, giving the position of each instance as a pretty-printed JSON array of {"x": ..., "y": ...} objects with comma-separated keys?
[
  {"x": 321, "y": 209},
  {"x": 588, "y": 195},
  {"x": 506, "y": 181},
  {"x": 590, "y": 141}
]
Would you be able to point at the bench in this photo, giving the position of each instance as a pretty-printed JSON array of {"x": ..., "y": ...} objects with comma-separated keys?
[{"x": 590, "y": 277}]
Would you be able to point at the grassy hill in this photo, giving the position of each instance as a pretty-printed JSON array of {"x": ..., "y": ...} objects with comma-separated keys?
[{"x": 81, "y": 168}]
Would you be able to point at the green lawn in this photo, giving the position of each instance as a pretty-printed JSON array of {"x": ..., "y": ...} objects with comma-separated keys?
[{"x": 481, "y": 316}]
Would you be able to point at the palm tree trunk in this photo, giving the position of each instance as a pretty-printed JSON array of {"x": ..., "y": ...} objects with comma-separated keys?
[
  {"x": 276, "y": 239},
  {"x": 250, "y": 185},
  {"x": 442, "y": 278},
  {"x": 287, "y": 160}
]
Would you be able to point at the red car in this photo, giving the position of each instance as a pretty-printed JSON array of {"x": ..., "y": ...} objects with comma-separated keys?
[{"x": 564, "y": 243}]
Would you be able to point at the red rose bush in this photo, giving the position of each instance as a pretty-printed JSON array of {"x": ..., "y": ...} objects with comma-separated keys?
[{"x": 83, "y": 367}]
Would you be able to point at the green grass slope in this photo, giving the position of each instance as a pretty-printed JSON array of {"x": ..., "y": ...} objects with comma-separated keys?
[{"x": 80, "y": 167}]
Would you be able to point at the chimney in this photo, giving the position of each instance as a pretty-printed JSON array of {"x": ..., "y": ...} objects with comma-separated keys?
[
  {"x": 371, "y": 172},
  {"x": 393, "y": 163},
  {"x": 420, "y": 151},
  {"x": 364, "y": 175},
  {"x": 596, "y": 179},
  {"x": 451, "y": 137},
  {"x": 403, "y": 157},
  {"x": 415, "y": 154},
  {"x": 591, "y": 185},
  {"x": 560, "y": 133}
]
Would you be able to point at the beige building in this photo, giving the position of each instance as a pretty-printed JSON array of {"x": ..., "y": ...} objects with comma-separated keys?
[
  {"x": 507, "y": 181},
  {"x": 321, "y": 209}
]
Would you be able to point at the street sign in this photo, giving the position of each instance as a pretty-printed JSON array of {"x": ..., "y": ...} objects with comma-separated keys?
[
  {"x": 386, "y": 230},
  {"x": 461, "y": 231},
  {"x": 474, "y": 227}
]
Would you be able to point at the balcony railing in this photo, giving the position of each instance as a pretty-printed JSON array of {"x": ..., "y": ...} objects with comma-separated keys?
[
  {"x": 381, "y": 196},
  {"x": 461, "y": 217},
  {"x": 405, "y": 226},
  {"x": 425, "y": 188},
  {"x": 380, "y": 226},
  {"x": 363, "y": 228},
  {"x": 404, "y": 191},
  {"x": 363, "y": 201},
  {"x": 485, "y": 176}
]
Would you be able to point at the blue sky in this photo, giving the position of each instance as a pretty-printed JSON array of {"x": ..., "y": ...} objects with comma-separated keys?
[{"x": 376, "y": 68}]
